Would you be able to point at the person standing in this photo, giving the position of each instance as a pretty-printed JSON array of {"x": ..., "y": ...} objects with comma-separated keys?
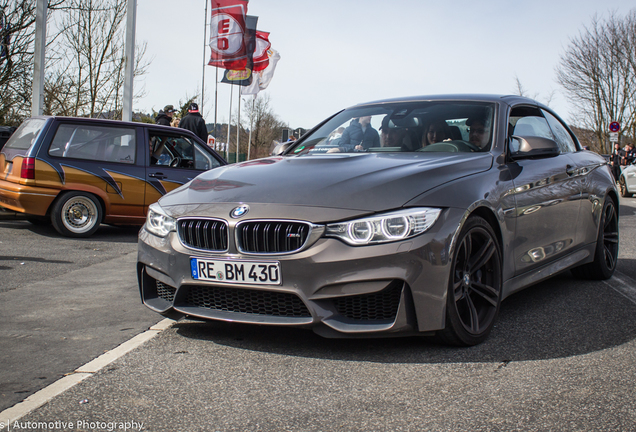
[
  {"x": 359, "y": 135},
  {"x": 615, "y": 160},
  {"x": 194, "y": 122},
  {"x": 165, "y": 117}
]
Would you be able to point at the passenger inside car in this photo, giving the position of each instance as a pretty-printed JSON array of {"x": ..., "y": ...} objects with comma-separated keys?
[{"x": 437, "y": 131}]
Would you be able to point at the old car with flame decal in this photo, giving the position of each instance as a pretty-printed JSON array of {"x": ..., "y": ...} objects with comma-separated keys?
[
  {"x": 405, "y": 216},
  {"x": 77, "y": 172}
]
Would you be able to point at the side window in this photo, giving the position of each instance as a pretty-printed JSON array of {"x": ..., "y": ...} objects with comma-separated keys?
[
  {"x": 98, "y": 143},
  {"x": 561, "y": 134},
  {"x": 528, "y": 121},
  {"x": 203, "y": 160},
  {"x": 179, "y": 151}
]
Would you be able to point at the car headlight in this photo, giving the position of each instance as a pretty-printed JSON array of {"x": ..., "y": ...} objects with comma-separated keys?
[
  {"x": 158, "y": 222},
  {"x": 388, "y": 227}
]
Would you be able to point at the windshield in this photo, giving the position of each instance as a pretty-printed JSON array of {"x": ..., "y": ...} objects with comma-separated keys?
[{"x": 404, "y": 127}]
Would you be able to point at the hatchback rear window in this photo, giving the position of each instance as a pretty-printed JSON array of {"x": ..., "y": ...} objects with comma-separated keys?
[
  {"x": 99, "y": 143},
  {"x": 24, "y": 137}
]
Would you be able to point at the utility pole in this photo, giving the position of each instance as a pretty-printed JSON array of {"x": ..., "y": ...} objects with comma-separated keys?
[
  {"x": 131, "y": 23},
  {"x": 37, "y": 96}
]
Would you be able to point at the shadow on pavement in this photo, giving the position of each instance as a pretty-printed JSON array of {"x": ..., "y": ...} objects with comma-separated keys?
[
  {"x": 106, "y": 233},
  {"x": 559, "y": 318}
]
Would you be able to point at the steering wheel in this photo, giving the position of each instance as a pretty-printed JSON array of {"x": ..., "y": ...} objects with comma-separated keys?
[
  {"x": 454, "y": 146},
  {"x": 175, "y": 162}
]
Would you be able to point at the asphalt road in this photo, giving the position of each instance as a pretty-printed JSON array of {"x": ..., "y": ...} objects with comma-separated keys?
[{"x": 562, "y": 356}]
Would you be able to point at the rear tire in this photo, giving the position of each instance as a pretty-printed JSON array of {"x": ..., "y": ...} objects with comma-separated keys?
[
  {"x": 474, "y": 288},
  {"x": 606, "y": 253},
  {"x": 76, "y": 214}
]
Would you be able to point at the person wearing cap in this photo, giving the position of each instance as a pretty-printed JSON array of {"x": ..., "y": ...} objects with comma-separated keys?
[
  {"x": 195, "y": 123},
  {"x": 391, "y": 136},
  {"x": 165, "y": 117},
  {"x": 479, "y": 134}
]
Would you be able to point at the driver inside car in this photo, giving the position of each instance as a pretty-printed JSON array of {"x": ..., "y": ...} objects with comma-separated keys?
[{"x": 479, "y": 133}]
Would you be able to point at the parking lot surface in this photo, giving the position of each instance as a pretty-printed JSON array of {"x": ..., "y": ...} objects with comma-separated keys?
[{"x": 561, "y": 357}]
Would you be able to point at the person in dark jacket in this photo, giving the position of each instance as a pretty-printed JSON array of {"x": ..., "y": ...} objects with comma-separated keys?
[
  {"x": 195, "y": 123},
  {"x": 165, "y": 117},
  {"x": 616, "y": 158},
  {"x": 359, "y": 136}
]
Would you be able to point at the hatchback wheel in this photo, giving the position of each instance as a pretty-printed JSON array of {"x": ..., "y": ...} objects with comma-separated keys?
[
  {"x": 76, "y": 214},
  {"x": 606, "y": 254},
  {"x": 474, "y": 291},
  {"x": 623, "y": 187}
]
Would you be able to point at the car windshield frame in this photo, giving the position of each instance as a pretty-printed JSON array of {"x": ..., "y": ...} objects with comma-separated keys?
[{"x": 402, "y": 127}]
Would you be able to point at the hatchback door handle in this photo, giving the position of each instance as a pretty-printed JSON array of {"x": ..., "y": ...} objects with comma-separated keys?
[{"x": 159, "y": 176}]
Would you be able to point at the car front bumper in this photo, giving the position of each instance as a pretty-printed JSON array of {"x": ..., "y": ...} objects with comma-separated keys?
[{"x": 336, "y": 289}]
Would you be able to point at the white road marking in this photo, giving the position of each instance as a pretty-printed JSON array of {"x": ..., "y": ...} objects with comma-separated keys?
[
  {"x": 622, "y": 284},
  {"x": 41, "y": 397}
]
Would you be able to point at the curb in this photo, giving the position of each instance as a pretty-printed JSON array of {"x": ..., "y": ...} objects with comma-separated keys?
[{"x": 41, "y": 397}]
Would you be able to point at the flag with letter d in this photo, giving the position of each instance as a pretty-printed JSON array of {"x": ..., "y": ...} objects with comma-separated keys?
[
  {"x": 227, "y": 29},
  {"x": 260, "y": 57}
]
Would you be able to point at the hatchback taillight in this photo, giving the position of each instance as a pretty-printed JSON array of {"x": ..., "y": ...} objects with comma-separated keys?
[{"x": 28, "y": 168}]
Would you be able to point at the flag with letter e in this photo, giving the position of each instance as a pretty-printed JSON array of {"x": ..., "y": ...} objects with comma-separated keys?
[{"x": 227, "y": 30}]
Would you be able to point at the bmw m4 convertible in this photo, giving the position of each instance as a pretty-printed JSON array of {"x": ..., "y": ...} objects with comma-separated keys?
[{"x": 406, "y": 216}]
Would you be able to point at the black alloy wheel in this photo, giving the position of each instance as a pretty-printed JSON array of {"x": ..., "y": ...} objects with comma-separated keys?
[
  {"x": 610, "y": 235},
  {"x": 474, "y": 293},
  {"x": 606, "y": 254}
]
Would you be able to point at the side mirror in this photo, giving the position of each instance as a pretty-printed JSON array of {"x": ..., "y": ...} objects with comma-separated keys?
[
  {"x": 280, "y": 148},
  {"x": 532, "y": 147}
]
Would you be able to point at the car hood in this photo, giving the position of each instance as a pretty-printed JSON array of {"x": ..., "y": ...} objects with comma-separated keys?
[{"x": 362, "y": 182}]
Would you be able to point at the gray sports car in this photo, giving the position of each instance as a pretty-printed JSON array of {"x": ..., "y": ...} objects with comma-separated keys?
[{"x": 405, "y": 216}]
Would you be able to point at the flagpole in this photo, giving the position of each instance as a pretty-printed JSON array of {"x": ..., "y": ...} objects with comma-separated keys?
[
  {"x": 216, "y": 97},
  {"x": 205, "y": 25},
  {"x": 249, "y": 141},
  {"x": 229, "y": 124},
  {"x": 238, "y": 127}
]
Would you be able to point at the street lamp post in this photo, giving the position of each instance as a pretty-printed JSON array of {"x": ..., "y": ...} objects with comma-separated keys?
[
  {"x": 131, "y": 19},
  {"x": 37, "y": 96}
]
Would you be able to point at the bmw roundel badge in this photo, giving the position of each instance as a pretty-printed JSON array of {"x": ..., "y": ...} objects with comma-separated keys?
[{"x": 240, "y": 211}]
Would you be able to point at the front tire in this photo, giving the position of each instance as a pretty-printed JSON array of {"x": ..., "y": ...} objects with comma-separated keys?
[
  {"x": 606, "y": 253},
  {"x": 474, "y": 289},
  {"x": 76, "y": 214}
]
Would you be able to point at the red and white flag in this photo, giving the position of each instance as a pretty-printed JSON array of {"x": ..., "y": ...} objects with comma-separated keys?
[
  {"x": 260, "y": 57},
  {"x": 261, "y": 79},
  {"x": 227, "y": 30}
]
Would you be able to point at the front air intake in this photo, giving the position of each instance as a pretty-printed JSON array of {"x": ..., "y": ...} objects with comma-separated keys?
[{"x": 205, "y": 234}]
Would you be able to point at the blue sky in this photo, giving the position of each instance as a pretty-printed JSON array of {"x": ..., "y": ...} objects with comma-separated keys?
[{"x": 336, "y": 53}]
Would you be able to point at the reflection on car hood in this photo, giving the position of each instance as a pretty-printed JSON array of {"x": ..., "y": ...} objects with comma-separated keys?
[{"x": 367, "y": 182}]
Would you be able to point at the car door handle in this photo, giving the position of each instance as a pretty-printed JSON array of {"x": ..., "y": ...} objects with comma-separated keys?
[
  {"x": 159, "y": 176},
  {"x": 572, "y": 171}
]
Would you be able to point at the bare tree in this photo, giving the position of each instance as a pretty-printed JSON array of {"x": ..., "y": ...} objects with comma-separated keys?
[
  {"x": 521, "y": 91},
  {"x": 266, "y": 127},
  {"x": 598, "y": 74},
  {"x": 84, "y": 58},
  {"x": 16, "y": 65},
  {"x": 86, "y": 74}
]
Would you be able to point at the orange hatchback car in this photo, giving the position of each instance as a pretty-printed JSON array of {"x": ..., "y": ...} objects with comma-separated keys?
[{"x": 79, "y": 172}]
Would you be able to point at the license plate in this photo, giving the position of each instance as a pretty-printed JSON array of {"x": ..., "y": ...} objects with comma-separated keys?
[{"x": 239, "y": 272}]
